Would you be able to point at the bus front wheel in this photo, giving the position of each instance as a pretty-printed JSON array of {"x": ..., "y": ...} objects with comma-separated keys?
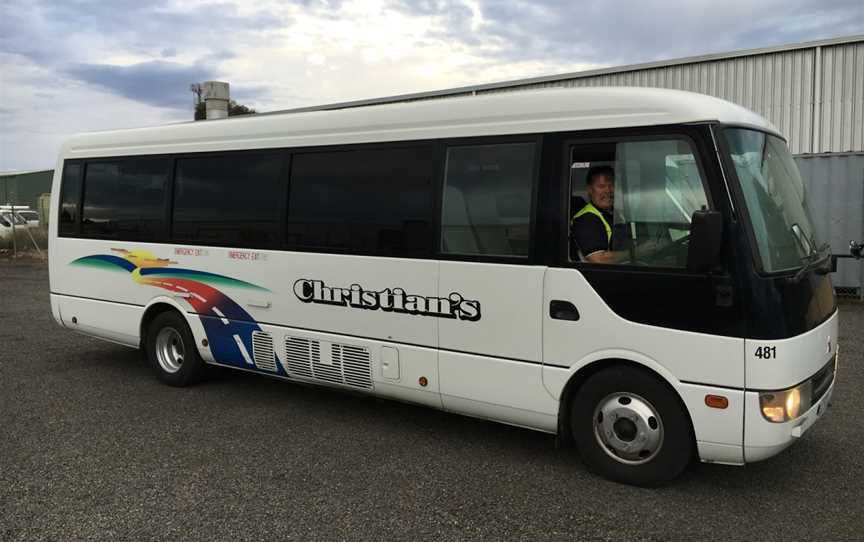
[
  {"x": 630, "y": 427},
  {"x": 171, "y": 350}
]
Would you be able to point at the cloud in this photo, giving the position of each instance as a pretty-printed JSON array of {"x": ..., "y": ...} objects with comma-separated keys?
[
  {"x": 250, "y": 94},
  {"x": 148, "y": 52},
  {"x": 156, "y": 24},
  {"x": 118, "y": 46},
  {"x": 127, "y": 31},
  {"x": 126, "y": 62},
  {"x": 159, "y": 83},
  {"x": 611, "y": 33},
  {"x": 35, "y": 127}
]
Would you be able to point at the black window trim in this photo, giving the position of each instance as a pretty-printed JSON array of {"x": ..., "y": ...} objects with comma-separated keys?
[
  {"x": 439, "y": 150},
  {"x": 169, "y": 201}
]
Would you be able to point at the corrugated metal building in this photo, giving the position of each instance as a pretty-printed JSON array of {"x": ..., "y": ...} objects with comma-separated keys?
[
  {"x": 796, "y": 87},
  {"x": 25, "y": 187},
  {"x": 813, "y": 92}
]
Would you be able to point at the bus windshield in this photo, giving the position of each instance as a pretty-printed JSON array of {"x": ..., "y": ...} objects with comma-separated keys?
[{"x": 775, "y": 197}]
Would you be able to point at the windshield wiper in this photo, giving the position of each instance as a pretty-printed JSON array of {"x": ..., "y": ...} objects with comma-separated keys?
[{"x": 814, "y": 260}]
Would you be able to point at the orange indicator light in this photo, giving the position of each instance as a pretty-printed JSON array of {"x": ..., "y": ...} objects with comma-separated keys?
[{"x": 716, "y": 401}]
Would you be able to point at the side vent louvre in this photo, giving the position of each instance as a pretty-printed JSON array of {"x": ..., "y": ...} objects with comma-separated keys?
[
  {"x": 301, "y": 354},
  {"x": 341, "y": 364},
  {"x": 356, "y": 368},
  {"x": 262, "y": 351}
]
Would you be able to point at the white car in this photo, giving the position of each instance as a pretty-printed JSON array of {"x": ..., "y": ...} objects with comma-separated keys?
[
  {"x": 6, "y": 221},
  {"x": 30, "y": 217}
]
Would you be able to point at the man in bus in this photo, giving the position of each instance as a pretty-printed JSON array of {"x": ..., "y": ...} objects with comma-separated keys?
[{"x": 594, "y": 231}]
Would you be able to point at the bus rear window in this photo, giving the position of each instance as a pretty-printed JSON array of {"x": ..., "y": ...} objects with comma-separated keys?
[{"x": 70, "y": 196}]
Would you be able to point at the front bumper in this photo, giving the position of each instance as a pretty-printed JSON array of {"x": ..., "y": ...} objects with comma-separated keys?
[{"x": 764, "y": 439}]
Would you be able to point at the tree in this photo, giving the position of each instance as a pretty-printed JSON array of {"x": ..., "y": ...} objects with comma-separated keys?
[{"x": 233, "y": 107}]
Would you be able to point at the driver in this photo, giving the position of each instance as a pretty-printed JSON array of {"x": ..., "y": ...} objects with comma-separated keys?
[{"x": 592, "y": 225}]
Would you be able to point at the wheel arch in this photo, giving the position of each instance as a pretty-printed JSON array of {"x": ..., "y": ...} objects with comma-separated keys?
[
  {"x": 586, "y": 370},
  {"x": 154, "y": 308},
  {"x": 192, "y": 365}
]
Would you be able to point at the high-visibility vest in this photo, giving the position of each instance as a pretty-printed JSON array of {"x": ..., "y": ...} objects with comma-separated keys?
[{"x": 589, "y": 208}]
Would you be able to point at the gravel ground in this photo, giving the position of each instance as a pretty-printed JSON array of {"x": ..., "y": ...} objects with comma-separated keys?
[{"x": 92, "y": 446}]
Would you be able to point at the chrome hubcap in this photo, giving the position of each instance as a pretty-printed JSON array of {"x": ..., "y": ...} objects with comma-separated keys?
[
  {"x": 169, "y": 349},
  {"x": 628, "y": 428}
]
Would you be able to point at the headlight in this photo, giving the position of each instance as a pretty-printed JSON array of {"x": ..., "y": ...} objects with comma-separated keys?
[{"x": 784, "y": 405}]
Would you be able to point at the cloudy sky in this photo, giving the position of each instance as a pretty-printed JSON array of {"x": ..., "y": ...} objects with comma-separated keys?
[{"x": 83, "y": 65}]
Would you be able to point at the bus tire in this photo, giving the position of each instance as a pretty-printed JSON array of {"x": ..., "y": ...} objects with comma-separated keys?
[
  {"x": 171, "y": 350},
  {"x": 630, "y": 427}
]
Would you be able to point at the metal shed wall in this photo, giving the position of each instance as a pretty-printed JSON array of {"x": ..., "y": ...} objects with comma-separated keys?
[
  {"x": 795, "y": 89},
  {"x": 841, "y": 126},
  {"x": 835, "y": 192},
  {"x": 25, "y": 188},
  {"x": 813, "y": 92}
]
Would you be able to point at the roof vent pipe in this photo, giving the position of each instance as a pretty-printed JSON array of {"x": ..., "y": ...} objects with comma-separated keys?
[{"x": 216, "y": 95}]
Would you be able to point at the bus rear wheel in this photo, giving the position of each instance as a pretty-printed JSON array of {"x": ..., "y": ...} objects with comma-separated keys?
[
  {"x": 630, "y": 427},
  {"x": 171, "y": 350}
]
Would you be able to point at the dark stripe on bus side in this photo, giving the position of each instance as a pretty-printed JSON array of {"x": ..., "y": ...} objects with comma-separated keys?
[{"x": 531, "y": 362}]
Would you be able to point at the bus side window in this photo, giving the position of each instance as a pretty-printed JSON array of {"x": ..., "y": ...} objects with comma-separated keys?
[
  {"x": 124, "y": 198},
  {"x": 230, "y": 199},
  {"x": 486, "y": 207},
  {"x": 372, "y": 200}
]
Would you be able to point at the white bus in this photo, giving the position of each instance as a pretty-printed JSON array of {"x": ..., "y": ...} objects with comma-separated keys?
[{"x": 427, "y": 252}]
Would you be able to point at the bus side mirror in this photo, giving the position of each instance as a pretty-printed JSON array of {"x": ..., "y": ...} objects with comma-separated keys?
[{"x": 706, "y": 237}]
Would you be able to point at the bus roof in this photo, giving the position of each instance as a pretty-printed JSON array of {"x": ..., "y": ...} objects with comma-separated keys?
[{"x": 522, "y": 112}]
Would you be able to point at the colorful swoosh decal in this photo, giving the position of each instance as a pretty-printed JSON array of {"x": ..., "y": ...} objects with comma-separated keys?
[{"x": 227, "y": 325}]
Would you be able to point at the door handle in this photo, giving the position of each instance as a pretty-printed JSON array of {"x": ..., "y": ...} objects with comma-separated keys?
[{"x": 563, "y": 310}]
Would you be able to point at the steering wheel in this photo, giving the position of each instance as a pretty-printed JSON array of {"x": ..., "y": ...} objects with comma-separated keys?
[{"x": 677, "y": 249}]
